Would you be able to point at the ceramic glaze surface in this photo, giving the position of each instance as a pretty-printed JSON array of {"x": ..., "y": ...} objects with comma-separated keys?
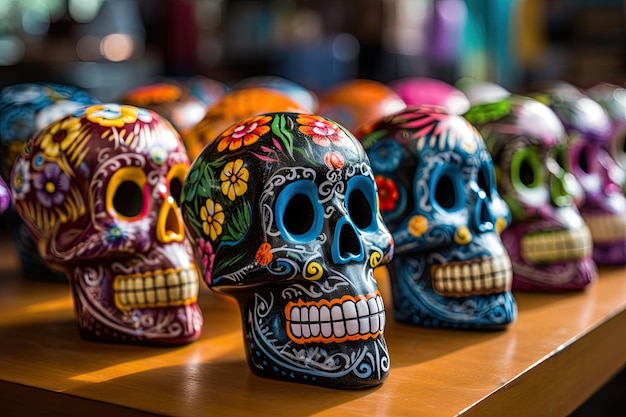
[
  {"x": 355, "y": 103},
  {"x": 283, "y": 211},
  {"x": 235, "y": 106},
  {"x": 24, "y": 110},
  {"x": 590, "y": 132},
  {"x": 548, "y": 242},
  {"x": 439, "y": 199},
  {"x": 98, "y": 190}
]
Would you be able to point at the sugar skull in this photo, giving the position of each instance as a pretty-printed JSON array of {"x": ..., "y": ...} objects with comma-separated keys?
[
  {"x": 5, "y": 196},
  {"x": 24, "y": 110},
  {"x": 358, "y": 102},
  {"x": 415, "y": 91},
  {"x": 98, "y": 190},
  {"x": 283, "y": 212},
  {"x": 439, "y": 199},
  {"x": 590, "y": 132},
  {"x": 613, "y": 99},
  {"x": 548, "y": 242},
  {"x": 301, "y": 95},
  {"x": 233, "y": 107}
]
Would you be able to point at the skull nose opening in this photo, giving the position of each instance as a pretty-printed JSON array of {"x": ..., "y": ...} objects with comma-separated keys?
[
  {"x": 170, "y": 225},
  {"x": 482, "y": 215},
  {"x": 346, "y": 243}
]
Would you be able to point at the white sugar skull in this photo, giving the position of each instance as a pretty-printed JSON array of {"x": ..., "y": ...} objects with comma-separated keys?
[
  {"x": 283, "y": 211},
  {"x": 548, "y": 242},
  {"x": 439, "y": 199},
  {"x": 589, "y": 160},
  {"x": 98, "y": 190}
]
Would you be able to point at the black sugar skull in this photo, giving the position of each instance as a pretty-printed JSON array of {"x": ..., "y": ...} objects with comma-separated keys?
[
  {"x": 98, "y": 191},
  {"x": 283, "y": 212},
  {"x": 439, "y": 199}
]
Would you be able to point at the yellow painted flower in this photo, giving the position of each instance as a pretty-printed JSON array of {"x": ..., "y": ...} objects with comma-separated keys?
[
  {"x": 418, "y": 225},
  {"x": 112, "y": 114},
  {"x": 234, "y": 179},
  {"x": 59, "y": 136},
  {"x": 212, "y": 215}
]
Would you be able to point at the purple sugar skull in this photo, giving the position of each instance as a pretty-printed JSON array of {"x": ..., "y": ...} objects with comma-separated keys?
[
  {"x": 613, "y": 99},
  {"x": 590, "y": 133},
  {"x": 439, "y": 199},
  {"x": 5, "y": 196},
  {"x": 24, "y": 110},
  {"x": 98, "y": 190},
  {"x": 547, "y": 241},
  {"x": 283, "y": 212}
]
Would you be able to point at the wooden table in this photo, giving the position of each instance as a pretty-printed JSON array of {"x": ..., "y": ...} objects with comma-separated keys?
[{"x": 561, "y": 349}]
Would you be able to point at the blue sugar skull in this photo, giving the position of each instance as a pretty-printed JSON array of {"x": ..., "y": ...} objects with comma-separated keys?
[
  {"x": 283, "y": 211},
  {"x": 439, "y": 199}
]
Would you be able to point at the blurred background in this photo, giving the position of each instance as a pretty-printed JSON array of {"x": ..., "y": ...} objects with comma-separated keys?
[{"x": 109, "y": 46}]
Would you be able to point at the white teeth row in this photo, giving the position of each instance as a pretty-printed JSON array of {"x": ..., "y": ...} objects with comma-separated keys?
[
  {"x": 484, "y": 276},
  {"x": 555, "y": 246},
  {"x": 169, "y": 288},
  {"x": 341, "y": 320},
  {"x": 606, "y": 228}
]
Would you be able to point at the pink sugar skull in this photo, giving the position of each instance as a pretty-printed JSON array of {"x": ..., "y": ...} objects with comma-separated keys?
[
  {"x": 5, "y": 196},
  {"x": 547, "y": 241},
  {"x": 98, "y": 191},
  {"x": 417, "y": 91},
  {"x": 590, "y": 133}
]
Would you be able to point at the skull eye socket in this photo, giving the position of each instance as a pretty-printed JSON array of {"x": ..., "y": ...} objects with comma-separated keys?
[
  {"x": 447, "y": 192},
  {"x": 127, "y": 194},
  {"x": 175, "y": 179},
  {"x": 526, "y": 168},
  {"x": 586, "y": 160},
  {"x": 299, "y": 215},
  {"x": 361, "y": 202}
]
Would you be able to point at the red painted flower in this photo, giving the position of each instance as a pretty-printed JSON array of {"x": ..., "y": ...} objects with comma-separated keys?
[
  {"x": 263, "y": 255},
  {"x": 321, "y": 130},
  {"x": 334, "y": 160},
  {"x": 387, "y": 193},
  {"x": 244, "y": 133}
]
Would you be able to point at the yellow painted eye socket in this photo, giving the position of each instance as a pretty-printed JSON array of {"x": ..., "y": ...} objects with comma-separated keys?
[
  {"x": 128, "y": 196},
  {"x": 175, "y": 178}
]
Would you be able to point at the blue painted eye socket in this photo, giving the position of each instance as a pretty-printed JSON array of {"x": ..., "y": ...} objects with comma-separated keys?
[
  {"x": 446, "y": 188},
  {"x": 361, "y": 203},
  {"x": 299, "y": 215}
]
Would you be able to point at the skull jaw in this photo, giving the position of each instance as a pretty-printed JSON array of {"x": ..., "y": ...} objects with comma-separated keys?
[
  {"x": 567, "y": 271},
  {"x": 99, "y": 319},
  {"x": 416, "y": 303},
  {"x": 608, "y": 232},
  {"x": 272, "y": 353}
]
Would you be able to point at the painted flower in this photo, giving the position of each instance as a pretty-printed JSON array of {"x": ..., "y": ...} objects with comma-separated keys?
[
  {"x": 60, "y": 136},
  {"x": 385, "y": 155},
  {"x": 418, "y": 225},
  {"x": 244, "y": 133},
  {"x": 20, "y": 181},
  {"x": 334, "y": 160},
  {"x": 387, "y": 193},
  {"x": 111, "y": 114},
  {"x": 321, "y": 130},
  {"x": 116, "y": 237},
  {"x": 263, "y": 255},
  {"x": 212, "y": 215},
  {"x": 206, "y": 257},
  {"x": 234, "y": 179},
  {"x": 51, "y": 185}
]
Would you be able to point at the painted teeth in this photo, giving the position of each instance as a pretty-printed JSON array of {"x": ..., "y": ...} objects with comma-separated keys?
[
  {"x": 168, "y": 288},
  {"x": 338, "y": 320},
  {"x": 606, "y": 228},
  {"x": 483, "y": 276},
  {"x": 557, "y": 245}
]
